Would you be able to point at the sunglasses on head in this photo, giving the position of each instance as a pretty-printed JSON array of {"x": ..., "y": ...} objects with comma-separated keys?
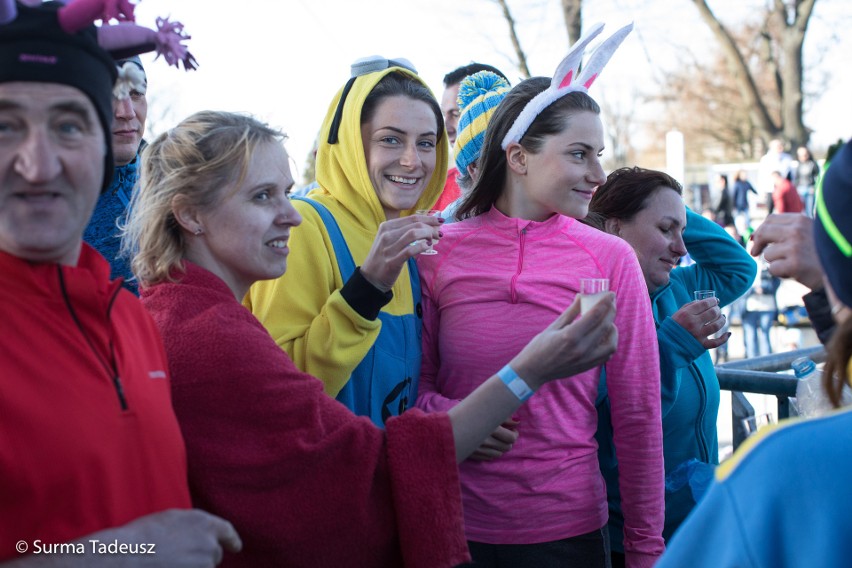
[{"x": 363, "y": 66}]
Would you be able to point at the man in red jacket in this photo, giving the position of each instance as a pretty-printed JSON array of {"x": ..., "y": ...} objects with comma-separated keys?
[
  {"x": 785, "y": 197},
  {"x": 92, "y": 462}
]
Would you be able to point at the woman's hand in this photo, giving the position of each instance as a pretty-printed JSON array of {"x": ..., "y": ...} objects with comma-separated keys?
[
  {"x": 569, "y": 345},
  {"x": 497, "y": 443},
  {"x": 702, "y": 319},
  {"x": 396, "y": 241}
]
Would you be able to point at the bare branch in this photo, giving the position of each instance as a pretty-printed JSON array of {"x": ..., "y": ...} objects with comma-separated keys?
[
  {"x": 738, "y": 66},
  {"x": 516, "y": 43},
  {"x": 572, "y": 12}
]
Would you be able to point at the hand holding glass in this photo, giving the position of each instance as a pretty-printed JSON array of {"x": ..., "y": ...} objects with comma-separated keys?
[
  {"x": 430, "y": 213},
  {"x": 592, "y": 290},
  {"x": 703, "y": 295}
]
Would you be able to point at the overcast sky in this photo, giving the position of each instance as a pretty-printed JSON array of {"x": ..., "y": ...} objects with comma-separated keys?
[{"x": 284, "y": 60}]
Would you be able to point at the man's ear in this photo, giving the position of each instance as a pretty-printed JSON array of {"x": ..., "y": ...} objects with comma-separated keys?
[
  {"x": 187, "y": 215},
  {"x": 613, "y": 226},
  {"x": 516, "y": 158}
]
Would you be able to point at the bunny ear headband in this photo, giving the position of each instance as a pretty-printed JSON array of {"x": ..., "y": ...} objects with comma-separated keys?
[{"x": 568, "y": 77}]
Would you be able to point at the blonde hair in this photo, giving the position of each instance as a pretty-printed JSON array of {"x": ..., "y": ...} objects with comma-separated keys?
[{"x": 192, "y": 162}]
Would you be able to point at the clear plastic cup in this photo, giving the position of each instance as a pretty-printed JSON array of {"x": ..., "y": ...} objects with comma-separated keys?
[
  {"x": 703, "y": 294},
  {"x": 591, "y": 292},
  {"x": 430, "y": 213}
]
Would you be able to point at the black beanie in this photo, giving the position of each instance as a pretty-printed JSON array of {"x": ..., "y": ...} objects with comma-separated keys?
[
  {"x": 833, "y": 224},
  {"x": 34, "y": 48}
]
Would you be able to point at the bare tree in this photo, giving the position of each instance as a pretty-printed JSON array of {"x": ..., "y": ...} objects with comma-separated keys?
[
  {"x": 513, "y": 35},
  {"x": 783, "y": 37},
  {"x": 701, "y": 98},
  {"x": 619, "y": 124},
  {"x": 572, "y": 12}
]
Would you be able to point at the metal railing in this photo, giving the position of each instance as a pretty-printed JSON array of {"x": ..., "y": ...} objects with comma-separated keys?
[{"x": 760, "y": 375}]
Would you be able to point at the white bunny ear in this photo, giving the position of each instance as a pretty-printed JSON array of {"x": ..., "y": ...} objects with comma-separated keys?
[
  {"x": 601, "y": 56},
  {"x": 566, "y": 71},
  {"x": 566, "y": 79}
]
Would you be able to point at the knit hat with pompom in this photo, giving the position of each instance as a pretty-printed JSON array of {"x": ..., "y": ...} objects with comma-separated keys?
[{"x": 479, "y": 95}]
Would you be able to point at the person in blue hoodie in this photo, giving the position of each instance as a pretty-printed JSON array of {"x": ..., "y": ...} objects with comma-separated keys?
[
  {"x": 783, "y": 498},
  {"x": 645, "y": 208},
  {"x": 128, "y": 126}
]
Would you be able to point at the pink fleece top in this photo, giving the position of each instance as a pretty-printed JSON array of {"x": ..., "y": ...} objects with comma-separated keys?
[{"x": 495, "y": 283}]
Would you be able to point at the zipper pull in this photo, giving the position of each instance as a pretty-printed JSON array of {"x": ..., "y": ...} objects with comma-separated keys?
[{"x": 119, "y": 389}]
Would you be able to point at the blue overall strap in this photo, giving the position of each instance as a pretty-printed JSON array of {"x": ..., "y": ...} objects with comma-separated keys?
[
  {"x": 414, "y": 277},
  {"x": 341, "y": 250},
  {"x": 385, "y": 382}
]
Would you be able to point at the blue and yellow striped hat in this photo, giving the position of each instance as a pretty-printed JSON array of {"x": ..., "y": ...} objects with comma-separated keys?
[
  {"x": 479, "y": 95},
  {"x": 833, "y": 224}
]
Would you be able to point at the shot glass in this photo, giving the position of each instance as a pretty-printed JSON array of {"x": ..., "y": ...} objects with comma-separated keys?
[
  {"x": 591, "y": 292},
  {"x": 703, "y": 294},
  {"x": 430, "y": 213}
]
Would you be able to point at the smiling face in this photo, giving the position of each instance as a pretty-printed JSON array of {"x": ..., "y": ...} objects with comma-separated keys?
[
  {"x": 399, "y": 147},
  {"x": 562, "y": 176},
  {"x": 52, "y": 151},
  {"x": 656, "y": 234},
  {"x": 244, "y": 236}
]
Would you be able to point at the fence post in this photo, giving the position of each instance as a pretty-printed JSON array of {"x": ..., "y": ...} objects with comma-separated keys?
[{"x": 741, "y": 409}]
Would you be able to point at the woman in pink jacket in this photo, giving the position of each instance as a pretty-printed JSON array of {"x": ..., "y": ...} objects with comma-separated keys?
[{"x": 532, "y": 493}]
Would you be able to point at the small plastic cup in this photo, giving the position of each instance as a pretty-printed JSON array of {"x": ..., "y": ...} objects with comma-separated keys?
[
  {"x": 592, "y": 290},
  {"x": 430, "y": 213},
  {"x": 703, "y": 294}
]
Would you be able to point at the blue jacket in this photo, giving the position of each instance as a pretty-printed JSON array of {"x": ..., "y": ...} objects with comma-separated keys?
[
  {"x": 741, "y": 189},
  {"x": 780, "y": 501},
  {"x": 102, "y": 232},
  {"x": 688, "y": 383}
]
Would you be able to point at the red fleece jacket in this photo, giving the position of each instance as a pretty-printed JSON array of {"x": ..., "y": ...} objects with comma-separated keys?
[
  {"x": 73, "y": 459},
  {"x": 304, "y": 481}
]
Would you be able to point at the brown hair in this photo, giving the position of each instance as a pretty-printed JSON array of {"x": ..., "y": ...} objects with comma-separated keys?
[
  {"x": 626, "y": 193},
  {"x": 492, "y": 160},
  {"x": 194, "y": 161},
  {"x": 835, "y": 374},
  {"x": 401, "y": 85}
]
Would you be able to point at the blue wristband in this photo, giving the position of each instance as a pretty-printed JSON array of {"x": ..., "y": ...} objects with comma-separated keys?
[{"x": 514, "y": 383}]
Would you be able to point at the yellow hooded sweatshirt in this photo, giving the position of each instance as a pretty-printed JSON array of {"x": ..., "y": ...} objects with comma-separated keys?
[{"x": 303, "y": 310}]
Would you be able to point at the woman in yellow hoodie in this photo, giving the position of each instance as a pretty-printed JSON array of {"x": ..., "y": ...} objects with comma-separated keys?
[{"x": 348, "y": 309}]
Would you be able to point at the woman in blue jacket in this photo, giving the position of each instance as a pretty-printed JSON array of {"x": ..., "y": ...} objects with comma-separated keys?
[
  {"x": 783, "y": 499},
  {"x": 645, "y": 208}
]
